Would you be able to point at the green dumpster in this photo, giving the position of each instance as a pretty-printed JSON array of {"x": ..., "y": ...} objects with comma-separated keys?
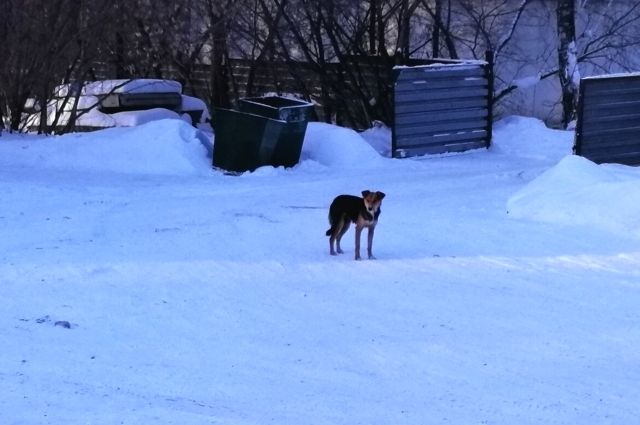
[{"x": 264, "y": 131}]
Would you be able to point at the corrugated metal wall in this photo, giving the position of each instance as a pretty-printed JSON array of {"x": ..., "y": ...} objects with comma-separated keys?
[
  {"x": 608, "y": 127},
  {"x": 442, "y": 108}
]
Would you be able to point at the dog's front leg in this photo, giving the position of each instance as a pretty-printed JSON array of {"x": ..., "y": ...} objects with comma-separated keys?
[
  {"x": 370, "y": 242},
  {"x": 358, "y": 232}
]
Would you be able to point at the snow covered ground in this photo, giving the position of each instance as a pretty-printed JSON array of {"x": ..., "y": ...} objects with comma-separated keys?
[{"x": 138, "y": 285}]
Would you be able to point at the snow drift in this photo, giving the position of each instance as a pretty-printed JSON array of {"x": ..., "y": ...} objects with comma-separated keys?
[
  {"x": 164, "y": 147},
  {"x": 577, "y": 191}
]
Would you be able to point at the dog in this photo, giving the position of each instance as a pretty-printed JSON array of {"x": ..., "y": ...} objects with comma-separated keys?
[{"x": 364, "y": 212}]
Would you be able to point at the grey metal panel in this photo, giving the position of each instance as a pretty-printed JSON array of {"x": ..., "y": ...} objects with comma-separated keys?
[
  {"x": 417, "y": 140},
  {"x": 613, "y": 96},
  {"x": 613, "y": 124},
  {"x": 427, "y": 95},
  {"x": 605, "y": 139},
  {"x": 438, "y": 149},
  {"x": 436, "y": 84},
  {"x": 620, "y": 146},
  {"x": 623, "y": 154},
  {"x": 441, "y": 109},
  {"x": 608, "y": 128},
  {"x": 598, "y": 111},
  {"x": 439, "y": 116},
  {"x": 446, "y": 105},
  {"x": 611, "y": 88},
  {"x": 445, "y": 127},
  {"x": 431, "y": 72}
]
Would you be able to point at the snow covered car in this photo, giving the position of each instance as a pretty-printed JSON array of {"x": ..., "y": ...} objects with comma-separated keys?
[{"x": 118, "y": 103}]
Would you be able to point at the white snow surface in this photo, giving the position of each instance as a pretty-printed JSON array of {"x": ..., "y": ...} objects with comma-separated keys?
[{"x": 139, "y": 285}]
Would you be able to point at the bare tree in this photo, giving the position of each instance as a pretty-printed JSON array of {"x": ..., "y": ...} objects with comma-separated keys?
[
  {"x": 46, "y": 43},
  {"x": 567, "y": 59},
  {"x": 442, "y": 33},
  {"x": 338, "y": 52},
  {"x": 609, "y": 35}
]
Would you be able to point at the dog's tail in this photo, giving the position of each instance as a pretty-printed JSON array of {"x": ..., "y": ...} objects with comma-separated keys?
[{"x": 328, "y": 233}]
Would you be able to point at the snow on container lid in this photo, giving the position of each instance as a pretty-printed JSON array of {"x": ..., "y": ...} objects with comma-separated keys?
[{"x": 103, "y": 87}]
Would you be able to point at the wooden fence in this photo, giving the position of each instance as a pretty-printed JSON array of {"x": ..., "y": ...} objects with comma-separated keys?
[
  {"x": 442, "y": 107},
  {"x": 608, "y": 126},
  {"x": 354, "y": 92}
]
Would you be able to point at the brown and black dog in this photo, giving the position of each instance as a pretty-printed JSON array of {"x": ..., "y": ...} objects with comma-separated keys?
[{"x": 364, "y": 212}]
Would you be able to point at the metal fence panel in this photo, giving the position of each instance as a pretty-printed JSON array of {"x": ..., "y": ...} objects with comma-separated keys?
[
  {"x": 608, "y": 126},
  {"x": 442, "y": 108}
]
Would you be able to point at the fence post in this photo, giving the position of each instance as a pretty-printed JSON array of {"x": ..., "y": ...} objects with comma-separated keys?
[
  {"x": 577, "y": 138},
  {"x": 394, "y": 144},
  {"x": 489, "y": 57}
]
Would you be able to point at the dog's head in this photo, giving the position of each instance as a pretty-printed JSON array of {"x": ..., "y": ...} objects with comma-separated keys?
[{"x": 372, "y": 201}]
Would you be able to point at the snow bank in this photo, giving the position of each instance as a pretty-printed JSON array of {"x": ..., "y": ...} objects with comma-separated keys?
[
  {"x": 379, "y": 137},
  {"x": 530, "y": 138},
  {"x": 578, "y": 191},
  {"x": 172, "y": 147},
  {"x": 169, "y": 146},
  {"x": 338, "y": 147}
]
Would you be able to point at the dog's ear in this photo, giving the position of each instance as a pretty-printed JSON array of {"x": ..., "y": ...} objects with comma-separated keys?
[
  {"x": 380, "y": 195},
  {"x": 365, "y": 193}
]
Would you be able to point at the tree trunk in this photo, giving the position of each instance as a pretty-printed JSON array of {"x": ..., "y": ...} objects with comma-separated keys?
[
  {"x": 218, "y": 71},
  {"x": 435, "y": 42},
  {"x": 373, "y": 18},
  {"x": 404, "y": 34},
  {"x": 2, "y": 102},
  {"x": 567, "y": 59}
]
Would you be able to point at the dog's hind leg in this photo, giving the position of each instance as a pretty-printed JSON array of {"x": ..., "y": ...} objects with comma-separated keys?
[
  {"x": 335, "y": 235},
  {"x": 345, "y": 226},
  {"x": 332, "y": 238}
]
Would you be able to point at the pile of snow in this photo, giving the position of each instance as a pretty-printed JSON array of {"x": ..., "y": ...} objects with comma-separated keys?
[
  {"x": 573, "y": 190},
  {"x": 525, "y": 137},
  {"x": 379, "y": 137},
  {"x": 165, "y": 147},
  {"x": 579, "y": 192},
  {"x": 338, "y": 147},
  {"x": 173, "y": 147}
]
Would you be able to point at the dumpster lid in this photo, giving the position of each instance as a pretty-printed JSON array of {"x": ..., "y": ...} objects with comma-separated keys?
[
  {"x": 233, "y": 111},
  {"x": 277, "y": 102}
]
